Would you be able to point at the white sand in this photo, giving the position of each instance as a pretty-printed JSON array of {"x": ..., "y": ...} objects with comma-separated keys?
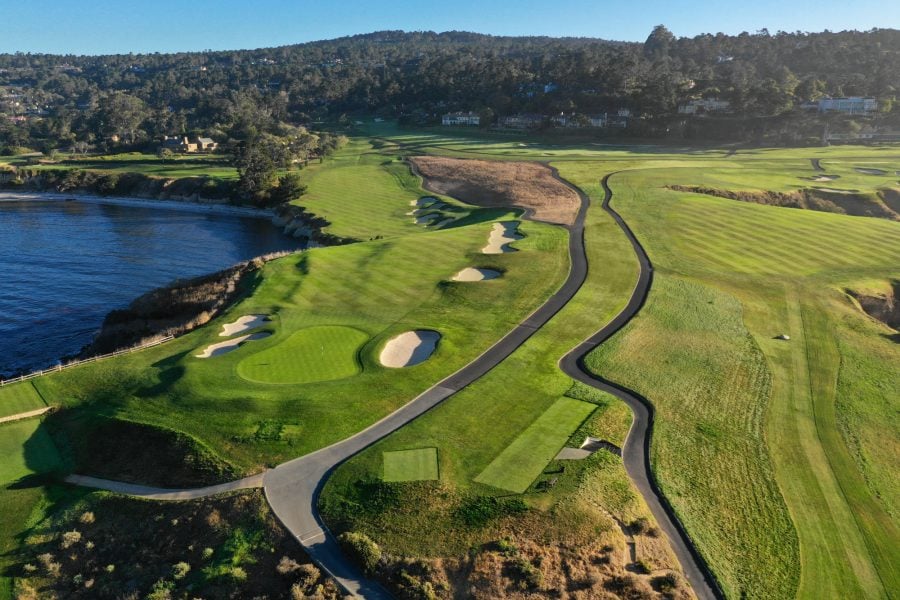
[
  {"x": 825, "y": 177},
  {"x": 501, "y": 236},
  {"x": 870, "y": 171},
  {"x": 410, "y": 348},
  {"x": 245, "y": 323},
  {"x": 472, "y": 274},
  {"x": 836, "y": 191},
  {"x": 228, "y": 346}
]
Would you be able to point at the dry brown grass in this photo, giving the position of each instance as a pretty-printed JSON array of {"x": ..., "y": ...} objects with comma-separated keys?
[{"x": 529, "y": 186}]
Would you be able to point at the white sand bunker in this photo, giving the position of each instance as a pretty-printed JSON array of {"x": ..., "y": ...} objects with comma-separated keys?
[
  {"x": 865, "y": 171},
  {"x": 226, "y": 347},
  {"x": 502, "y": 235},
  {"x": 836, "y": 191},
  {"x": 821, "y": 178},
  {"x": 588, "y": 447},
  {"x": 410, "y": 348},
  {"x": 245, "y": 323},
  {"x": 473, "y": 274},
  {"x": 425, "y": 201}
]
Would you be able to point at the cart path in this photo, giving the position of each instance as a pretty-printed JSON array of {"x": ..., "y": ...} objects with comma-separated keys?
[{"x": 292, "y": 488}]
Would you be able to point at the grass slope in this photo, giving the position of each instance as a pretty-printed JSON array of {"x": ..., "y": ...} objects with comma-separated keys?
[
  {"x": 19, "y": 398},
  {"x": 25, "y": 449}
]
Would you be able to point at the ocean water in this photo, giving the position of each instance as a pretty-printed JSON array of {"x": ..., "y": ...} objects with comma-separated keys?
[{"x": 65, "y": 264}]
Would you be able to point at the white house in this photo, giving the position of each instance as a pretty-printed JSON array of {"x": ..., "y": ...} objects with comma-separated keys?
[
  {"x": 468, "y": 119},
  {"x": 853, "y": 105},
  {"x": 704, "y": 105}
]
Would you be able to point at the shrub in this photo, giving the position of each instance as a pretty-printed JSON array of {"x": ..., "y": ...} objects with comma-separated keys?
[
  {"x": 477, "y": 511},
  {"x": 287, "y": 565},
  {"x": 207, "y": 553},
  {"x": 640, "y": 526},
  {"x": 70, "y": 538},
  {"x": 180, "y": 570},
  {"x": 362, "y": 549},
  {"x": 87, "y": 518},
  {"x": 666, "y": 583}
]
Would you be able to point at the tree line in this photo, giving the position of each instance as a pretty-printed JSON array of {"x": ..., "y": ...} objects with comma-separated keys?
[{"x": 90, "y": 101}]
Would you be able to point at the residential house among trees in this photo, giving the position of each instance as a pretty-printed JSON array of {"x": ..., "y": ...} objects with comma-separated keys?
[
  {"x": 704, "y": 105},
  {"x": 468, "y": 119},
  {"x": 854, "y": 105},
  {"x": 183, "y": 145},
  {"x": 526, "y": 121}
]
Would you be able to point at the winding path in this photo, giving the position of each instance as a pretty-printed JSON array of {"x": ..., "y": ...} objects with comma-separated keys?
[{"x": 293, "y": 488}]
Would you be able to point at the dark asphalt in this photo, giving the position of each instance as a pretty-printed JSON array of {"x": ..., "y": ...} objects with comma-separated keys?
[{"x": 293, "y": 488}]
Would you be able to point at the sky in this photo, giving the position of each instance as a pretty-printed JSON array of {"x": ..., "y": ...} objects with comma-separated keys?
[{"x": 123, "y": 26}]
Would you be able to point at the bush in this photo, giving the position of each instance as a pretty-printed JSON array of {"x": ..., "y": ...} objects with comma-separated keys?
[
  {"x": 362, "y": 549},
  {"x": 180, "y": 570},
  {"x": 477, "y": 511}
]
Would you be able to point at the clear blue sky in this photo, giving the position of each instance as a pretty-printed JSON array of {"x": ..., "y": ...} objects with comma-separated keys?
[{"x": 107, "y": 26}]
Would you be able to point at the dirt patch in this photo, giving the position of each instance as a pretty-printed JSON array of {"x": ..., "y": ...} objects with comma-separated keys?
[
  {"x": 216, "y": 548},
  {"x": 823, "y": 200},
  {"x": 883, "y": 307},
  {"x": 529, "y": 186}
]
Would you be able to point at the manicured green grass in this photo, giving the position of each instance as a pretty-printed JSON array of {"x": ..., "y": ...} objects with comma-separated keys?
[
  {"x": 148, "y": 164},
  {"x": 25, "y": 449},
  {"x": 522, "y": 461},
  {"x": 313, "y": 354},
  {"x": 19, "y": 398},
  {"x": 420, "y": 464},
  {"x": 366, "y": 194},
  {"x": 780, "y": 270}
]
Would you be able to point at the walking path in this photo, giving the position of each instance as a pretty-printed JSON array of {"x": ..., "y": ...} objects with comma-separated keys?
[
  {"x": 24, "y": 415},
  {"x": 154, "y": 493},
  {"x": 293, "y": 488}
]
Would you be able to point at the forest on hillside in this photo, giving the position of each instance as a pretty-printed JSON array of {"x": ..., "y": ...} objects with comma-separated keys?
[{"x": 94, "y": 102}]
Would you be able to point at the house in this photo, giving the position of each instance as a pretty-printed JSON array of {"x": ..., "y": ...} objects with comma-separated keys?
[
  {"x": 704, "y": 106},
  {"x": 468, "y": 119},
  {"x": 181, "y": 144},
  {"x": 524, "y": 121},
  {"x": 205, "y": 144},
  {"x": 854, "y": 105}
]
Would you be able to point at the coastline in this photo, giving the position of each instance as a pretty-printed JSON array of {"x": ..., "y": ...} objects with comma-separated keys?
[{"x": 182, "y": 205}]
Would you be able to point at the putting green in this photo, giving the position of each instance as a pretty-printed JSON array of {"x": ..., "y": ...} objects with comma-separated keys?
[
  {"x": 321, "y": 353},
  {"x": 25, "y": 448},
  {"x": 411, "y": 465},
  {"x": 19, "y": 398},
  {"x": 523, "y": 460}
]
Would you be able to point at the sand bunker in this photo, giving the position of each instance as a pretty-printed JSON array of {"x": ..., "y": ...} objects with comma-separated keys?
[
  {"x": 865, "y": 171},
  {"x": 501, "y": 236},
  {"x": 821, "y": 178},
  {"x": 837, "y": 191},
  {"x": 409, "y": 349},
  {"x": 226, "y": 347},
  {"x": 245, "y": 323},
  {"x": 473, "y": 274},
  {"x": 588, "y": 447}
]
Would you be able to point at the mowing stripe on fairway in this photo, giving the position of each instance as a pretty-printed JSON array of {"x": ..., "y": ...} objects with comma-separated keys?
[
  {"x": 19, "y": 398},
  {"x": 523, "y": 460},
  {"x": 419, "y": 464}
]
